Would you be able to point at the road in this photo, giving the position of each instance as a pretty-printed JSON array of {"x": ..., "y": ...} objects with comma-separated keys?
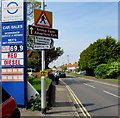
[{"x": 95, "y": 97}]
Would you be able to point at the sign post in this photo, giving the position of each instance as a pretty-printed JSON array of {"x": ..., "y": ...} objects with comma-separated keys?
[
  {"x": 43, "y": 80},
  {"x": 43, "y": 33}
]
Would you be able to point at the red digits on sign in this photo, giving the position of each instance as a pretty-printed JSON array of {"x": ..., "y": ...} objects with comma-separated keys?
[
  {"x": 12, "y": 55},
  {"x": 12, "y": 62}
]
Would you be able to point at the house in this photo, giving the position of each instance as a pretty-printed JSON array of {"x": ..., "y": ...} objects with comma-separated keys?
[
  {"x": 69, "y": 67},
  {"x": 72, "y": 67}
]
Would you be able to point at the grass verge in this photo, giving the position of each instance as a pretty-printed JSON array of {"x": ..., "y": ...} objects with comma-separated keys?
[
  {"x": 117, "y": 80},
  {"x": 35, "y": 104},
  {"x": 36, "y": 83}
]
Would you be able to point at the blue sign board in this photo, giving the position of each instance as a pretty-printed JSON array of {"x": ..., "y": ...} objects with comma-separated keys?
[
  {"x": 12, "y": 41},
  {"x": 14, "y": 69},
  {"x": 13, "y": 26},
  {"x": 13, "y": 33}
]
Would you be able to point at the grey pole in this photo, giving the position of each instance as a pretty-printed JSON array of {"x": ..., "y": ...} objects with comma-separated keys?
[
  {"x": 43, "y": 81},
  {"x": 43, "y": 86}
]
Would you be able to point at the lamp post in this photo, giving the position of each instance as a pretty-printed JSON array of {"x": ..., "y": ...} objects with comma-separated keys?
[{"x": 43, "y": 79}]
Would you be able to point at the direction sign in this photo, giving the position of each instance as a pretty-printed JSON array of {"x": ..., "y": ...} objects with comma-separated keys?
[
  {"x": 45, "y": 32},
  {"x": 42, "y": 40},
  {"x": 38, "y": 47}
]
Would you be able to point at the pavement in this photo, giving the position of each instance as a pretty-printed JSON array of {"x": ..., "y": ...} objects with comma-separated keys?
[{"x": 62, "y": 106}]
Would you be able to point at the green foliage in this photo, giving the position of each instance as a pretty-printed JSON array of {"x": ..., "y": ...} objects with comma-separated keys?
[
  {"x": 100, "y": 52},
  {"x": 34, "y": 60},
  {"x": 52, "y": 54},
  {"x": 114, "y": 70},
  {"x": 77, "y": 69},
  {"x": 31, "y": 78},
  {"x": 108, "y": 70},
  {"x": 35, "y": 104},
  {"x": 64, "y": 68},
  {"x": 34, "y": 63},
  {"x": 101, "y": 71},
  {"x": 36, "y": 83}
]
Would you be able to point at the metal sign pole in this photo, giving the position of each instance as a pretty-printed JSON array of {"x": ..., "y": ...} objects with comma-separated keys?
[
  {"x": 43, "y": 82},
  {"x": 43, "y": 85}
]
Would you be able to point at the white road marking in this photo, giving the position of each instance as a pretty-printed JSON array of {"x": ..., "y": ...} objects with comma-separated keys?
[
  {"x": 111, "y": 94},
  {"x": 99, "y": 82},
  {"x": 78, "y": 102},
  {"x": 89, "y": 85}
]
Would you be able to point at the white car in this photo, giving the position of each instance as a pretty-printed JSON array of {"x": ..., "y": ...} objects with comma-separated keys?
[
  {"x": 30, "y": 71},
  {"x": 82, "y": 72}
]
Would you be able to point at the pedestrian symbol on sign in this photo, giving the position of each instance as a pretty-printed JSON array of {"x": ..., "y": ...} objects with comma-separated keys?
[{"x": 43, "y": 20}]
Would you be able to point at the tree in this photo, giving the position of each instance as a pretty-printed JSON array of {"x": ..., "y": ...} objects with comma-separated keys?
[
  {"x": 34, "y": 60},
  {"x": 108, "y": 70},
  {"x": 102, "y": 51},
  {"x": 52, "y": 55}
]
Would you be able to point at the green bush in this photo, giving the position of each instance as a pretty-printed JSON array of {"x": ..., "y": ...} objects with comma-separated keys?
[
  {"x": 35, "y": 104},
  {"x": 101, "y": 71},
  {"x": 108, "y": 70},
  {"x": 114, "y": 70}
]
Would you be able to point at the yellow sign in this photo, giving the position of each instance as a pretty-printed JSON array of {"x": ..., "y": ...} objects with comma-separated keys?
[
  {"x": 44, "y": 73},
  {"x": 43, "y": 18}
]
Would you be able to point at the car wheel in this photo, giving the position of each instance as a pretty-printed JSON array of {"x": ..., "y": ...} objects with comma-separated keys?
[{"x": 16, "y": 114}]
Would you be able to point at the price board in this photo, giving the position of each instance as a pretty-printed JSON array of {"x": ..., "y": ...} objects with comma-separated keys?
[{"x": 14, "y": 50}]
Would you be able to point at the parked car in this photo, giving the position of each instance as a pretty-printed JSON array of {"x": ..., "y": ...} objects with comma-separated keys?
[
  {"x": 82, "y": 72},
  {"x": 31, "y": 71},
  {"x": 62, "y": 75},
  {"x": 8, "y": 106}
]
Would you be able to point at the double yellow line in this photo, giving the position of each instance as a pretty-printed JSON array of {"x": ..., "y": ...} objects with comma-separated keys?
[{"x": 79, "y": 104}]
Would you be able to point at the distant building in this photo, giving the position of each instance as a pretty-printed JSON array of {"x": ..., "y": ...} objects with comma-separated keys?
[
  {"x": 72, "y": 67},
  {"x": 69, "y": 67}
]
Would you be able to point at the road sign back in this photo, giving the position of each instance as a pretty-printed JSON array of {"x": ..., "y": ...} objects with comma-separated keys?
[{"x": 42, "y": 18}]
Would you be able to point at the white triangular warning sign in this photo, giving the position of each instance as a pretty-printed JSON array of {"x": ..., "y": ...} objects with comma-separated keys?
[{"x": 43, "y": 20}]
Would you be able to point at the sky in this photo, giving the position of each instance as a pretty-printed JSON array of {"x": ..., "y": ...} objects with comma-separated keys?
[{"x": 80, "y": 24}]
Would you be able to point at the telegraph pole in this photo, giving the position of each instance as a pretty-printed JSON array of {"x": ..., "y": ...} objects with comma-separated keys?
[
  {"x": 43, "y": 79},
  {"x": 68, "y": 59}
]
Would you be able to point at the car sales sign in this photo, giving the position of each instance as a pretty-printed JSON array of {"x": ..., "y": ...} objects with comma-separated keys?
[{"x": 12, "y": 33}]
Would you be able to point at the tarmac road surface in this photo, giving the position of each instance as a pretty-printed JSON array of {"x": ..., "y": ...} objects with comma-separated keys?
[{"x": 95, "y": 97}]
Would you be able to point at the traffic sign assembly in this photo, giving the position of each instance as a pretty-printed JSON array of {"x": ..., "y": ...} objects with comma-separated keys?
[{"x": 44, "y": 19}]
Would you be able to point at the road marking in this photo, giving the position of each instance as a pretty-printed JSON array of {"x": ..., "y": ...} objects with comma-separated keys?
[
  {"x": 89, "y": 85},
  {"x": 99, "y": 82},
  {"x": 79, "y": 104},
  {"x": 111, "y": 94}
]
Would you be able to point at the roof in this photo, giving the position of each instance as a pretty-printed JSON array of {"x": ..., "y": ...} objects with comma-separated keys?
[{"x": 70, "y": 65}]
